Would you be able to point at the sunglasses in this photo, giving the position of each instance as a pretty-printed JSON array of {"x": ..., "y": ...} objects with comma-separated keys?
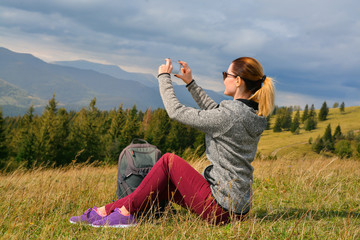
[{"x": 225, "y": 75}]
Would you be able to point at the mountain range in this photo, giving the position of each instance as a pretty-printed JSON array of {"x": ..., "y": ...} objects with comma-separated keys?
[{"x": 26, "y": 80}]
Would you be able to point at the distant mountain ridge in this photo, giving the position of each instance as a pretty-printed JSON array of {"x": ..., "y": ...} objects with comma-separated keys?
[
  {"x": 112, "y": 70},
  {"x": 33, "y": 81}
]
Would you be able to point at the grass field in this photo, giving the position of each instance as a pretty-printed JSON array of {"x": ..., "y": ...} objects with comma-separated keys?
[
  {"x": 300, "y": 195},
  {"x": 298, "y": 199}
]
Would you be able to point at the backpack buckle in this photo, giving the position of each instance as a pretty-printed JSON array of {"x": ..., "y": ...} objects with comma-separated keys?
[{"x": 142, "y": 173}]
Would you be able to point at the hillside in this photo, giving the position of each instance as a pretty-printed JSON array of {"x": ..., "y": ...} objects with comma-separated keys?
[
  {"x": 293, "y": 146},
  {"x": 13, "y": 95},
  {"x": 77, "y": 83}
]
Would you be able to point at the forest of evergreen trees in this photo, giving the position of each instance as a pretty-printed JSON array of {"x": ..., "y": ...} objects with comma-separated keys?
[{"x": 58, "y": 137}]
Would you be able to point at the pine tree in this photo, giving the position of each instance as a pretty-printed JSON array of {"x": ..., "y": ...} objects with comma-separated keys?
[
  {"x": 54, "y": 133},
  {"x": 140, "y": 116},
  {"x": 277, "y": 125},
  {"x": 77, "y": 136},
  {"x": 312, "y": 111},
  {"x": 158, "y": 129},
  {"x": 93, "y": 148},
  {"x": 146, "y": 120},
  {"x": 131, "y": 128},
  {"x": 3, "y": 147},
  {"x": 337, "y": 134},
  {"x": 47, "y": 151},
  {"x": 318, "y": 145},
  {"x": 268, "y": 126},
  {"x": 283, "y": 119},
  {"x": 336, "y": 105},
  {"x": 176, "y": 138},
  {"x": 62, "y": 154},
  {"x": 310, "y": 123},
  {"x": 52, "y": 105},
  {"x": 342, "y": 107},
  {"x": 113, "y": 134},
  {"x": 324, "y": 110},
  {"x": 85, "y": 136},
  {"x": 305, "y": 114},
  {"x": 286, "y": 120},
  {"x": 328, "y": 139},
  {"x": 296, "y": 122},
  {"x": 199, "y": 143},
  {"x": 28, "y": 142},
  {"x": 117, "y": 123},
  {"x": 276, "y": 108}
]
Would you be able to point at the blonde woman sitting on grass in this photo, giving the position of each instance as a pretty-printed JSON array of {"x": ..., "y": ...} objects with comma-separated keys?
[{"x": 233, "y": 128}]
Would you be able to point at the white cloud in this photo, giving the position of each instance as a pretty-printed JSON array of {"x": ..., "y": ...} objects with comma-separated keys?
[
  {"x": 277, "y": 28},
  {"x": 245, "y": 41}
]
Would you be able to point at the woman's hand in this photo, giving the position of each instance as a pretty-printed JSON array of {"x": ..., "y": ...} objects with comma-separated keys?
[
  {"x": 186, "y": 73},
  {"x": 166, "y": 68}
]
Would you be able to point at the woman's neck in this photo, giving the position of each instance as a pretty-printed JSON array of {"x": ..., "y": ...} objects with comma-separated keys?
[{"x": 241, "y": 94}]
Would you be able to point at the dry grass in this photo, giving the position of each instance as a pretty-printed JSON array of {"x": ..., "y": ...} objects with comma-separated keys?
[{"x": 311, "y": 198}]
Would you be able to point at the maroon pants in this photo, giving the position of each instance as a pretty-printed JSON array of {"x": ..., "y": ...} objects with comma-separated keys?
[{"x": 173, "y": 179}]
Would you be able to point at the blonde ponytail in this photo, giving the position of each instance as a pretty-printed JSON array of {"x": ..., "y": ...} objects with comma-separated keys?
[
  {"x": 260, "y": 86},
  {"x": 265, "y": 96}
]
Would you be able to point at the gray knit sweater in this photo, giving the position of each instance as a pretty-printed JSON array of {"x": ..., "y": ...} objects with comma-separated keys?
[{"x": 232, "y": 132}]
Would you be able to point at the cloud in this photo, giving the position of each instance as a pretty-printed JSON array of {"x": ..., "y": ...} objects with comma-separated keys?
[{"x": 311, "y": 47}]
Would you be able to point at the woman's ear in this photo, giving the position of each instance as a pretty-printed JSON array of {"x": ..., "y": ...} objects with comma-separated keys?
[{"x": 238, "y": 81}]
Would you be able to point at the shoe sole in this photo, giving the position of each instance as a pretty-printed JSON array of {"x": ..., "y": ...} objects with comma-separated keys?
[
  {"x": 83, "y": 223},
  {"x": 115, "y": 226}
]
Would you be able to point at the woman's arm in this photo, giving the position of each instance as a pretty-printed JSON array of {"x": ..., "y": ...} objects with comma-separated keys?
[
  {"x": 200, "y": 96},
  {"x": 212, "y": 121}
]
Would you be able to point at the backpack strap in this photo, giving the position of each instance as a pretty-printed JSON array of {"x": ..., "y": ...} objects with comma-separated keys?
[
  {"x": 125, "y": 186},
  {"x": 138, "y": 140}
]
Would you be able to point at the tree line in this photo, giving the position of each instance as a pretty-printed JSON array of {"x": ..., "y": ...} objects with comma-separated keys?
[
  {"x": 285, "y": 121},
  {"x": 59, "y": 137}
]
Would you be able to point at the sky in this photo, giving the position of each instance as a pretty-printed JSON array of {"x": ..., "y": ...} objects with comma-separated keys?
[{"x": 310, "y": 47}]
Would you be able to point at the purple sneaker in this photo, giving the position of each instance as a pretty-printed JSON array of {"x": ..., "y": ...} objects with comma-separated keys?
[
  {"x": 88, "y": 217},
  {"x": 116, "y": 220}
]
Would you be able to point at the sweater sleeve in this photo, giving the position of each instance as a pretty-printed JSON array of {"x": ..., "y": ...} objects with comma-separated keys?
[
  {"x": 211, "y": 121},
  {"x": 201, "y": 98}
]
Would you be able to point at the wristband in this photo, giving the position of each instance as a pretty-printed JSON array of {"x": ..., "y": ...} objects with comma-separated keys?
[
  {"x": 163, "y": 74},
  {"x": 190, "y": 83}
]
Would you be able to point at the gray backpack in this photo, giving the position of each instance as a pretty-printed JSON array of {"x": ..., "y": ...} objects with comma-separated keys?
[{"x": 135, "y": 162}]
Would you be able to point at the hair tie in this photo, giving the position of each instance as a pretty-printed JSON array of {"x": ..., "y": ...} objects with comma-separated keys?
[{"x": 263, "y": 78}]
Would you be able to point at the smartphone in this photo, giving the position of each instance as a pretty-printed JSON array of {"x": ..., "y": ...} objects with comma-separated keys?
[{"x": 176, "y": 68}]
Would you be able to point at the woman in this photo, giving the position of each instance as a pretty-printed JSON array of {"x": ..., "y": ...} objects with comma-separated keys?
[{"x": 233, "y": 130}]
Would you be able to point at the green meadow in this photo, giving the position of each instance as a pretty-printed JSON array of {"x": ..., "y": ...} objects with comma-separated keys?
[
  {"x": 297, "y": 195},
  {"x": 296, "y": 146}
]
